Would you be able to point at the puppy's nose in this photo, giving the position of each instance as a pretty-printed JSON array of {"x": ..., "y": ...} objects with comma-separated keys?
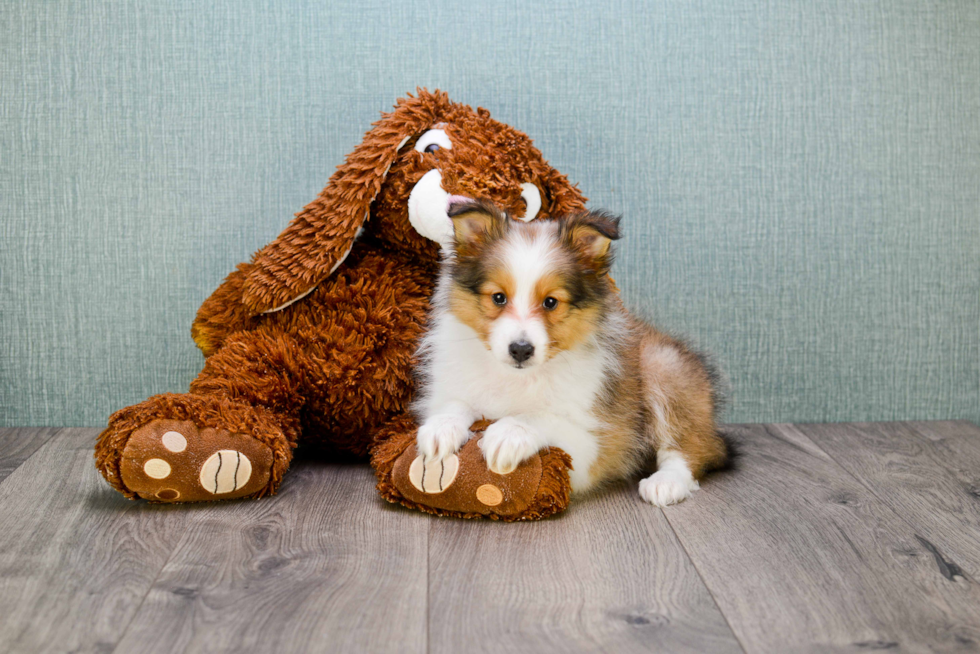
[{"x": 521, "y": 351}]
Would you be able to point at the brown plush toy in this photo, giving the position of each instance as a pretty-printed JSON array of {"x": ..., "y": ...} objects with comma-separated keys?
[{"x": 313, "y": 341}]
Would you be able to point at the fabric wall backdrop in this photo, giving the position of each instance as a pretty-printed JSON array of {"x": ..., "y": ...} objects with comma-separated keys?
[{"x": 800, "y": 178}]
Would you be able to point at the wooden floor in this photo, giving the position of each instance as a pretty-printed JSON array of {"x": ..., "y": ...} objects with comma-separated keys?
[{"x": 848, "y": 537}]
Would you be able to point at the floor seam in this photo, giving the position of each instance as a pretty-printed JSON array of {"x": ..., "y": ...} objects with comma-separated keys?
[
  {"x": 428, "y": 583},
  {"x": 149, "y": 590},
  {"x": 704, "y": 581},
  {"x": 55, "y": 430}
]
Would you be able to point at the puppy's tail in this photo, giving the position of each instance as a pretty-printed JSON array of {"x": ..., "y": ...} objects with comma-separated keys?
[
  {"x": 733, "y": 450},
  {"x": 721, "y": 388}
]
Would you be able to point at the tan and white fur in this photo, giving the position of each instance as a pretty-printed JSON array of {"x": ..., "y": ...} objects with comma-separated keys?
[{"x": 527, "y": 329}]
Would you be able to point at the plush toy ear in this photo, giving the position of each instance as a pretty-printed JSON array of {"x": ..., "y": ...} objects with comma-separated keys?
[
  {"x": 321, "y": 236},
  {"x": 591, "y": 234},
  {"x": 561, "y": 197}
]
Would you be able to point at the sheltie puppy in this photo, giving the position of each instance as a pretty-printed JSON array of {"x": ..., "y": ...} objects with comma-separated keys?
[{"x": 527, "y": 329}]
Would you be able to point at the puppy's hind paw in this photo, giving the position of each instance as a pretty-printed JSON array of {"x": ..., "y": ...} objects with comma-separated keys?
[{"x": 666, "y": 487}]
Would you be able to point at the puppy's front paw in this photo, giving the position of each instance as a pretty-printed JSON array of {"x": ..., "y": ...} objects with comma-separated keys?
[
  {"x": 507, "y": 443},
  {"x": 442, "y": 435},
  {"x": 666, "y": 487}
]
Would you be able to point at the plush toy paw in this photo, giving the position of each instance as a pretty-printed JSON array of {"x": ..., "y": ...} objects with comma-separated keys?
[
  {"x": 175, "y": 461},
  {"x": 188, "y": 448},
  {"x": 507, "y": 443},
  {"x": 462, "y": 485}
]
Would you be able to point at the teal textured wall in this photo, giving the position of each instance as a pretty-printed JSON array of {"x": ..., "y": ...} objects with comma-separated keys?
[{"x": 800, "y": 178}]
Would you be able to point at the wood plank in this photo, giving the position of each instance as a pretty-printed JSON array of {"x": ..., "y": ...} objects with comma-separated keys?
[
  {"x": 19, "y": 443},
  {"x": 928, "y": 472},
  {"x": 962, "y": 435},
  {"x": 323, "y": 566},
  {"x": 76, "y": 558},
  {"x": 608, "y": 575},
  {"x": 958, "y": 444},
  {"x": 801, "y": 557}
]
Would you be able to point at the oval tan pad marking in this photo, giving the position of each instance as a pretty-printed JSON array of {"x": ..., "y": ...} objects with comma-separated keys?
[
  {"x": 225, "y": 471},
  {"x": 174, "y": 441},
  {"x": 157, "y": 468},
  {"x": 434, "y": 477},
  {"x": 489, "y": 494}
]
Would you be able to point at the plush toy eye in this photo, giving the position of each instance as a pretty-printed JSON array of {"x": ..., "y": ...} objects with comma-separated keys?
[
  {"x": 550, "y": 303},
  {"x": 499, "y": 299},
  {"x": 434, "y": 139}
]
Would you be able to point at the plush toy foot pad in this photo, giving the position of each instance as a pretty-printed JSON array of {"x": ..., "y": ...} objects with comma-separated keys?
[
  {"x": 461, "y": 485},
  {"x": 176, "y": 461}
]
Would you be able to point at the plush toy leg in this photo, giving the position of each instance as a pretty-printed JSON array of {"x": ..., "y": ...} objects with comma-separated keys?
[
  {"x": 231, "y": 436},
  {"x": 462, "y": 486},
  {"x": 193, "y": 448}
]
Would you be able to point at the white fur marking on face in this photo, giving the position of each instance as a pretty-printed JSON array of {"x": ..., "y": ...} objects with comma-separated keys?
[
  {"x": 527, "y": 261},
  {"x": 532, "y": 196},
  {"x": 671, "y": 483},
  {"x": 427, "y": 205},
  {"x": 433, "y": 137}
]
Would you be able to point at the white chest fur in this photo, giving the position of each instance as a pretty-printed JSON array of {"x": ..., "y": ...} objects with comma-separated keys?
[{"x": 557, "y": 398}]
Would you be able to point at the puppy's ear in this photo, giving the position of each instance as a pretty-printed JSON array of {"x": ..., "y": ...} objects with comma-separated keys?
[
  {"x": 321, "y": 236},
  {"x": 476, "y": 222},
  {"x": 591, "y": 234}
]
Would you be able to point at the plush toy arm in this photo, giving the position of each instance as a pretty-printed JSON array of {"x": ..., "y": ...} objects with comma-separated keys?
[{"x": 223, "y": 313}]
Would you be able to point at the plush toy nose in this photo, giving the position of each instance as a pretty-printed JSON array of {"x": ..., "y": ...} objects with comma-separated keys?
[{"x": 521, "y": 351}]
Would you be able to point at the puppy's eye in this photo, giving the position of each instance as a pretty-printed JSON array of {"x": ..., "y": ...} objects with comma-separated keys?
[
  {"x": 432, "y": 147},
  {"x": 499, "y": 299},
  {"x": 550, "y": 303}
]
